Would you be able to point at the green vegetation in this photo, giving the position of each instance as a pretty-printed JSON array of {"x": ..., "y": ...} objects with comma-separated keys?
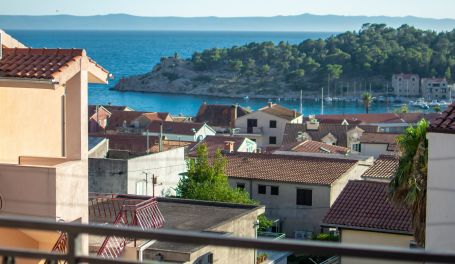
[
  {"x": 373, "y": 53},
  {"x": 326, "y": 237},
  {"x": 409, "y": 186},
  {"x": 206, "y": 180},
  {"x": 367, "y": 98}
]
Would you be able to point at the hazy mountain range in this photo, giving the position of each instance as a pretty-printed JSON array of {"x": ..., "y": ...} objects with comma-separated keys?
[{"x": 304, "y": 22}]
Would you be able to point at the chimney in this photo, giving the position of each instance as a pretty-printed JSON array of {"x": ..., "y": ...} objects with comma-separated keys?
[
  {"x": 270, "y": 104},
  {"x": 234, "y": 115},
  {"x": 312, "y": 124},
  {"x": 229, "y": 146},
  {"x": 295, "y": 113}
]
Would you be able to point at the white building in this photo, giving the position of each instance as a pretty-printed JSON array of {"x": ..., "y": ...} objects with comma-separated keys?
[
  {"x": 406, "y": 85},
  {"x": 266, "y": 125},
  {"x": 376, "y": 144},
  {"x": 440, "y": 222},
  {"x": 435, "y": 89},
  {"x": 179, "y": 131}
]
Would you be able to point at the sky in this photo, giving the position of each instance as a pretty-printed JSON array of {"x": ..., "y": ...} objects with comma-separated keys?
[{"x": 232, "y": 8}]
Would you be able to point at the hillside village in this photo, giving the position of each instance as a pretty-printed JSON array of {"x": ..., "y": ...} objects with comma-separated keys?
[{"x": 319, "y": 177}]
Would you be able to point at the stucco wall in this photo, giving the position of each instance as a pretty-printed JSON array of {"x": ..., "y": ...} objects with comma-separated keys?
[
  {"x": 373, "y": 239},
  {"x": 293, "y": 217},
  {"x": 440, "y": 229},
  {"x": 100, "y": 151},
  {"x": 167, "y": 166},
  {"x": 28, "y": 128},
  {"x": 354, "y": 174},
  {"x": 263, "y": 121}
]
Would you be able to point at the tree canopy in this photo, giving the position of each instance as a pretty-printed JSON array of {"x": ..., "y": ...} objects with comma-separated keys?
[{"x": 376, "y": 50}]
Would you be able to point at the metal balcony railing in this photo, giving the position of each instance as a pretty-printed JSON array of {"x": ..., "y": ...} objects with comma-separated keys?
[{"x": 308, "y": 247}]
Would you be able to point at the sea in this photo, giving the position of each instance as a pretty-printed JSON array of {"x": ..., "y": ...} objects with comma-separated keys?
[{"x": 127, "y": 53}]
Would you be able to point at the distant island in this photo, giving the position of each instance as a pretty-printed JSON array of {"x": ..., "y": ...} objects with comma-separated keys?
[
  {"x": 304, "y": 22},
  {"x": 346, "y": 63}
]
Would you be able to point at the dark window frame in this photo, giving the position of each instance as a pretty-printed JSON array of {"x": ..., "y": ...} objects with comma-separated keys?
[
  {"x": 272, "y": 124},
  {"x": 270, "y": 140},
  {"x": 304, "y": 197},
  {"x": 241, "y": 185},
  {"x": 262, "y": 188},
  {"x": 274, "y": 190}
]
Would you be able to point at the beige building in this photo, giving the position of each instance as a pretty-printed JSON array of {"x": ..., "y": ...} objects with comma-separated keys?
[
  {"x": 376, "y": 144},
  {"x": 440, "y": 224},
  {"x": 363, "y": 215},
  {"x": 406, "y": 85},
  {"x": 266, "y": 126},
  {"x": 435, "y": 89},
  {"x": 296, "y": 190},
  {"x": 43, "y": 140}
]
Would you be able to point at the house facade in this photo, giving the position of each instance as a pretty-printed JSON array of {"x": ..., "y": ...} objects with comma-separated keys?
[
  {"x": 297, "y": 191},
  {"x": 435, "y": 89},
  {"x": 440, "y": 222},
  {"x": 363, "y": 215},
  {"x": 376, "y": 144},
  {"x": 405, "y": 85},
  {"x": 266, "y": 126},
  {"x": 43, "y": 171}
]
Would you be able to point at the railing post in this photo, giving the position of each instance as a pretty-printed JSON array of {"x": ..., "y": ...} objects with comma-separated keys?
[{"x": 74, "y": 247}]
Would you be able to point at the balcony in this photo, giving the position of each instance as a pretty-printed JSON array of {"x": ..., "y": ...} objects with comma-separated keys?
[
  {"x": 252, "y": 131},
  {"x": 74, "y": 231}
]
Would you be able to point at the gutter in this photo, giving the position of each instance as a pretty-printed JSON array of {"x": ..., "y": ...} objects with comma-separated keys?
[{"x": 369, "y": 229}]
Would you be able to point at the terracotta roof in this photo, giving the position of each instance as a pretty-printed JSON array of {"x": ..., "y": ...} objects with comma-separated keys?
[
  {"x": 118, "y": 117},
  {"x": 38, "y": 63},
  {"x": 177, "y": 128},
  {"x": 383, "y": 168},
  {"x": 287, "y": 168},
  {"x": 312, "y": 146},
  {"x": 377, "y": 118},
  {"x": 291, "y": 132},
  {"x": 280, "y": 111},
  {"x": 216, "y": 142},
  {"x": 365, "y": 205},
  {"x": 380, "y": 138},
  {"x": 219, "y": 115},
  {"x": 446, "y": 122},
  {"x": 137, "y": 144}
]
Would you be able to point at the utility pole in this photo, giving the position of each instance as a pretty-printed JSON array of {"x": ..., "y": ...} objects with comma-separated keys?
[
  {"x": 322, "y": 101},
  {"x": 161, "y": 137}
]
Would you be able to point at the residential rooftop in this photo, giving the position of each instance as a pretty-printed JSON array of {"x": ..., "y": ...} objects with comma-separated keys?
[
  {"x": 380, "y": 138},
  {"x": 446, "y": 122},
  {"x": 383, "y": 168},
  {"x": 312, "y": 146},
  {"x": 287, "y": 168},
  {"x": 216, "y": 142},
  {"x": 280, "y": 111},
  {"x": 378, "y": 118},
  {"x": 219, "y": 115},
  {"x": 365, "y": 205},
  {"x": 177, "y": 128},
  {"x": 292, "y": 131},
  {"x": 119, "y": 117}
]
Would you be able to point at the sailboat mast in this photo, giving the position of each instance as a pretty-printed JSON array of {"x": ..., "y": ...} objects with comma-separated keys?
[{"x": 322, "y": 100}]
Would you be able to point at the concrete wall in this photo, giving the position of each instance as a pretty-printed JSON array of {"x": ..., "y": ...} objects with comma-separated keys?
[
  {"x": 373, "y": 239},
  {"x": 28, "y": 128},
  {"x": 100, "y": 151},
  {"x": 167, "y": 166},
  {"x": 108, "y": 175},
  {"x": 375, "y": 150},
  {"x": 127, "y": 175},
  {"x": 440, "y": 229}
]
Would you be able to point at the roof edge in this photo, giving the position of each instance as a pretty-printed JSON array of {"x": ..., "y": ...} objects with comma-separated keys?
[{"x": 359, "y": 228}]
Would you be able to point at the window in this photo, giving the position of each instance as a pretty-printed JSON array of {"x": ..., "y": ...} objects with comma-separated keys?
[
  {"x": 262, "y": 189},
  {"x": 304, "y": 197},
  {"x": 272, "y": 124},
  {"x": 357, "y": 147},
  {"x": 241, "y": 185},
  {"x": 272, "y": 140},
  {"x": 274, "y": 190}
]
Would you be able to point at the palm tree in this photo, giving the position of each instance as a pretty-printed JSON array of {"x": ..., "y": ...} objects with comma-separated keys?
[
  {"x": 409, "y": 186},
  {"x": 367, "y": 98}
]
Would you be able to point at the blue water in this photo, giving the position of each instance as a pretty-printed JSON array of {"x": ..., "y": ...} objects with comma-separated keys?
[{"x": 126, "y": 53}]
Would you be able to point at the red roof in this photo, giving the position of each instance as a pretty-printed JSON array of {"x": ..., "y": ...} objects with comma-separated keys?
[
  {"x": 446, "y": 122},
  {"x": 365, "y": 205},
  {"x": 216, "y": 142},
  {"x": 118, "y": 117},
  {"x": 177, "y": 128},
  {"x": 311, "y": 146},
  {"x": 380, "y": 138},
  {"x": 219, "y": 115},
  {"x": 38, "y": 63},
  {"x": 383, "y": 168},
  {"x": 287, "y": 168},
  {"x": 378, "y": 118},
  {"x": 280, "y": 111}
]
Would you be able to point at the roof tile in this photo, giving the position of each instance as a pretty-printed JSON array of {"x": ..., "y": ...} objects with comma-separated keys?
[
  {"x": 383, "y": 168},
  {"x": 446, "y": 122}
]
